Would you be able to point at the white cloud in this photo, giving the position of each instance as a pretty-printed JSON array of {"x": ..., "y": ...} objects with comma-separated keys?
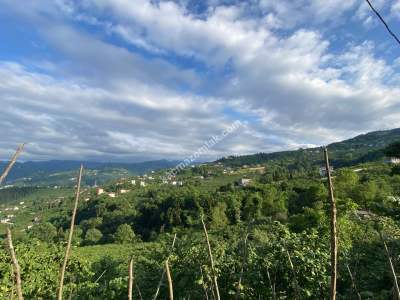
[{"x": 270, "y": 62}]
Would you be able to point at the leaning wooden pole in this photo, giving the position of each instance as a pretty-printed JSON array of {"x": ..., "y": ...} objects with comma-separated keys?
[
  {"x": 163, "y": 273},
  {"x": 395, "y": 282},
  {"x": 16, "y": 268},
  {"x": 211, "y": 259},
  {"x": 130, "y": 281},
  {"x": 71, "y": 231},
  {"x": 333, "y": 229},
  {"x": 170, "y": 286},
  {"x": 11, "y": 163}
]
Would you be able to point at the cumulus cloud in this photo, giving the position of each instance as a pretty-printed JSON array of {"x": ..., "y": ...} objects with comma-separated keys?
[{"x": 150, "y": 79}]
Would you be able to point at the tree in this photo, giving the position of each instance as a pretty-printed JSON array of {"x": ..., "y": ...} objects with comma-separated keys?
[
  {"x": 45, "y": 232},
  {"x": 124, "y": 234},
  {"x": 93, "y": 236}
]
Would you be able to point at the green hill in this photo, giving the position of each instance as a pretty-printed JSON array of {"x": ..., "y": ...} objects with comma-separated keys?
[{"x": 362, "y": 148}]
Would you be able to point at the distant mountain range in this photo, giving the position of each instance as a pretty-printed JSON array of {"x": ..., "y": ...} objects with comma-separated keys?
[
  {"x": 362, "y": 148},
  {"x": 38, "y": 172}
]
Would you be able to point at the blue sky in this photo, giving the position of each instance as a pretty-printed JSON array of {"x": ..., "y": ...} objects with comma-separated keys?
[{"x": 131, "y": 80}]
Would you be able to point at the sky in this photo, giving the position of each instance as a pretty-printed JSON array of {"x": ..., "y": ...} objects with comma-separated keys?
[{"x": 135, "y": 80}]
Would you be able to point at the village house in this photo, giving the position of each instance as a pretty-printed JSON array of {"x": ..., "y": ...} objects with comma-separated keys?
[
  {"x": 244, "y": 182},
  {"x": 124, "y": 191},
  {"x": 111, "y": 195},
  {"x": 100, "y": 191},
  {"x": 142, "y": 183}
]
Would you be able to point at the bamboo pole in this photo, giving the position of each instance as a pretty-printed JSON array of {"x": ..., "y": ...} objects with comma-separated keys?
[
  {"x": 242, "y": 267},
  {"x": 16, "y": 268},
  {"x": 170, "y": 287},
  {"x": 296, "y": 283},
  {"x": 395, "y": 282},
  {"x": 130, "y": 281},
  {"x": 71, "y": 231},
  {"x": 333, "y": 229},
  {"x": 11, "y": 163},
  {"x": 163, "y": 272},
  {"x": 211, "y": 259}
]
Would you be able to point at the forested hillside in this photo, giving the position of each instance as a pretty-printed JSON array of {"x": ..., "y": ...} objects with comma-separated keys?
[
  {"x": 363, "y": 148},
  {"x": 59, "y": 172},
  {"x": 268, "y": 227}
]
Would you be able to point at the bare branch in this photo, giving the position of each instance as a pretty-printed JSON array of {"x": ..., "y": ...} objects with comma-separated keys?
[
  {"x": 71, "y": 231},
  {"x": 17, "y": 269},
  {"x": 11, "y": 163},
  {"x": 333, "y": 229}
]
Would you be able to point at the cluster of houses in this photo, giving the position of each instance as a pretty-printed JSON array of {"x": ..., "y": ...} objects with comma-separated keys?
[{"x": 8, "y": 218}]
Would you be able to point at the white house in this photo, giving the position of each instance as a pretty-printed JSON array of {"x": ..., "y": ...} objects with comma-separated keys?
[
  {"x": 124, "y": 191},
  {"x": 133, "y": 182},
  {"x": 112, "y": 195},
  {"x": 142, "y": 183},
  {"x": 244, "y": 182},
  {"x": 100, "y": 191}
]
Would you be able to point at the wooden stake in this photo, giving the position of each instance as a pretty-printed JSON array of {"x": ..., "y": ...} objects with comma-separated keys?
[
  {"x": 163, "y": 272},
  {"x": 16, "y": 268},
  {"x": 71, "y": 231},
  {"x": 11, "y": 163},
  {"x": 211, "y": 259},
  {"x": 130, "y": 282},
  {"x": 333, "y": 229},
  {"x": 396, "y": 284},
  {"x": 170, "y": 287}
]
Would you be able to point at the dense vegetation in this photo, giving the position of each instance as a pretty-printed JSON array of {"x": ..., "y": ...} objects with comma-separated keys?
[{"x": 270, "y": 238}]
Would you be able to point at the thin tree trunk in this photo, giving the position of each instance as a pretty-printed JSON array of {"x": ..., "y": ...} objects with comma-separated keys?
[
  {"x": 170, "y": 287},
  {"x": 296, "y": 283},
  {"x": 11, "y": 163},
  {"x": 333, "y": 229},
  {"x": 130, "y": 282},
  {"x": 396, "y": 284},
  {"x": 211, "y": 259},
  {"x": 353, "y": 282},
  {"x": 163, "y": 272},
  {"x": 17, "y": 269},
  {"x": 71, "y": 231}
]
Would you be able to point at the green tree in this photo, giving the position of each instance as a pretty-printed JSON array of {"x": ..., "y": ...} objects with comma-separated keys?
[
  {"x": 45, "y": 232},
  {"x": 93, "y": 236},
  {"x": 393, "y": 150},
  {"x": 124, "y": 234}
]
